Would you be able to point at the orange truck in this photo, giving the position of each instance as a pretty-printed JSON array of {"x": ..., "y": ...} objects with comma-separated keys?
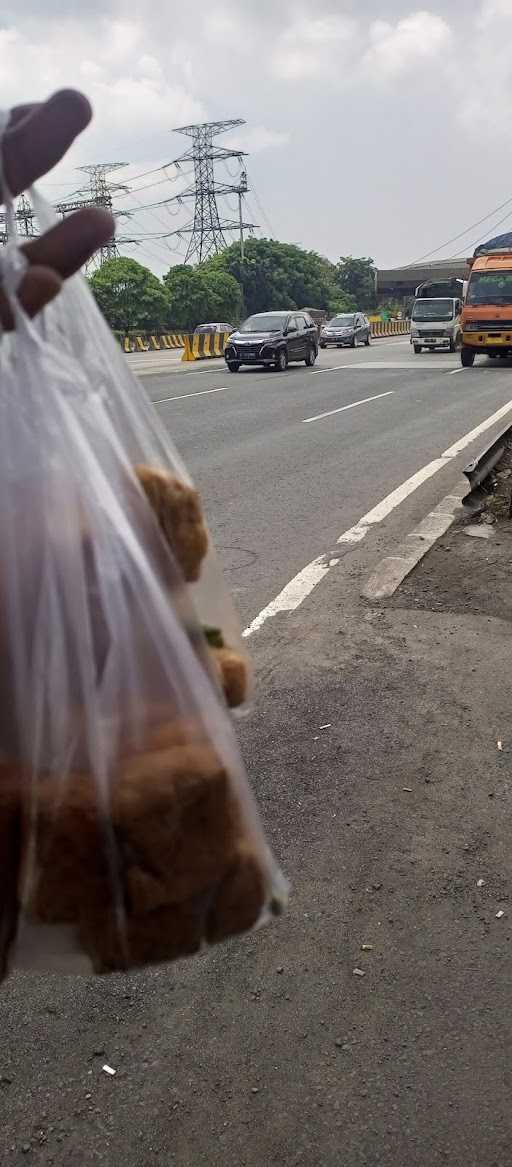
[{"x": 487, "y": 312}]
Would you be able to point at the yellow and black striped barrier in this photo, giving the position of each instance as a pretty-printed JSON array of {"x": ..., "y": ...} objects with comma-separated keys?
[
  {"x": 201, "y": 345},
  {"x": 389, "y": 327},
  {"x": 142, "y": 343}
]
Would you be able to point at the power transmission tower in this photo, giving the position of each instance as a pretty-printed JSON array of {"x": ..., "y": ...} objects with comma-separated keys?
[
  {"x": 98, "y": 194},
  {"x": 242, "y": 189},
  {"x": 207, "y": 230},
  {"x": 24, "y": 216}
]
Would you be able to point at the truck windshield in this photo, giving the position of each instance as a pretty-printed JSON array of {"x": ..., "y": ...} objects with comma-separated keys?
[
  {"x": 432, "y": 310},
  {"x": 490, "y": 287}
]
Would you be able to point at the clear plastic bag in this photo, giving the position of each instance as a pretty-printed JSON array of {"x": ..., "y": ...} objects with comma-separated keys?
[{"x": 128, "y": 832}]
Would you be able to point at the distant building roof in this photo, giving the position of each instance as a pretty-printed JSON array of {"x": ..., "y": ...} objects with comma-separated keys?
[{"x": 404, "y": 280}]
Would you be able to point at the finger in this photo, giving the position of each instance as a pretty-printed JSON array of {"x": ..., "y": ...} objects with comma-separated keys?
[
  {"x": 22, "y": 111},
  {"x": 38, "y": 137},
  {"x": 39, "y": 286},
  {"x": 71, "y": 243}
]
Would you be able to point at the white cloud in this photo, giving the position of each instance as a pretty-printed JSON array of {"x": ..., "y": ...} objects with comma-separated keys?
[
  {"x": 491, "y": 10},
  {"x": 336, "y": 82},
  {"x": 399, "y": 48},
  {"x": 254, "y": 139},
  {"x": 485, "y": 91},
  {"x": 132, "y": 89},
  {"x": 313, "y": 47}
]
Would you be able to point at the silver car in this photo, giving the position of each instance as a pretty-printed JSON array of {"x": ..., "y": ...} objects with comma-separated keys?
[{"x": 346, "y": 331}]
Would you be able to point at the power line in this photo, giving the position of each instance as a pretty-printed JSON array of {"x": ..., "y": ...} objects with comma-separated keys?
[
  {"x": 482, "y": 237},
  {"x": 261, "y": 209},
  {"x": 159, "y": 182},
  {"x": 460, "y": 235}
]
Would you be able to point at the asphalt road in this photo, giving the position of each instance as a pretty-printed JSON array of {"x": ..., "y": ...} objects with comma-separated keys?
[
  {"x": 272, "y": 1050},
  {"x": 279, "y": 491}
]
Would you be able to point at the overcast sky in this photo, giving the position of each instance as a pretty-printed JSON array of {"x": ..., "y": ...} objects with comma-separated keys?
[{"x": 379, "y": 127}]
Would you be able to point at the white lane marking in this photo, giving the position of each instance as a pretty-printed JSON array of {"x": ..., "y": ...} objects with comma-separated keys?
[
  {"x": 167, "y": 372},
  {"x": 301, "y": 586},
  {"x": 293, "y": 594},
  {"x": 334, "y": 369},
  {"x": 454, "y": 371},
  {"x": 392, "y": 570},
  {"x": 388, "y": 504},
  {"x": 183, "y": 396},
  {"x": 452, "y": 451},
  {"x": 342, "y": 408}
]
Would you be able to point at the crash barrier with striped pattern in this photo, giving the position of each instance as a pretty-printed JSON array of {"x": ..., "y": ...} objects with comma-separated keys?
[
  {"x": 143, "y": 342},
  {"x": 389, "y": 327},
  {"x": 204, "y": 344}
]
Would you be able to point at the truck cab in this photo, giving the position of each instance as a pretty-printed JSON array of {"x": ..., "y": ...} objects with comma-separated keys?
[
  {"x": 487, "y": 315},
  {"x": 436, "y": 323}
]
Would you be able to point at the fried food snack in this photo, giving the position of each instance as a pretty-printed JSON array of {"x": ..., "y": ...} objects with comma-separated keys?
[
  {"x": 232, "y": 672},
  {"x": 178, "y": 511},
  {"x": 163, "y": 867}
]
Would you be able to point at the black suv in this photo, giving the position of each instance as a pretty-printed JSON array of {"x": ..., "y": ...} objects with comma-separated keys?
[{"x": 273, "y": 339}]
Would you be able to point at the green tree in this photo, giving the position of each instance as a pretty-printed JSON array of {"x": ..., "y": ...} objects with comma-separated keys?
[
  {"x": 342, "y": 303},
  {"x": 198, "y": 295},
  {"x": 279, "y": 275},
  {"x": 130, "y": 296},
  {"x": 356, "y": 278}
]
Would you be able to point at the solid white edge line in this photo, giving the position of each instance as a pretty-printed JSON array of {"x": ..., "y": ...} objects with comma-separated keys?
[
  {"x": 393, "y": 569},
  {"x": 293, "y": 594},
  {"x": 342, "y": 408},
  {"x": 301, "y": 586}
]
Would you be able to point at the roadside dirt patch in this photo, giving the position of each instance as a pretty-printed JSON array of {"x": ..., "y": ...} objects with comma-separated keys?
[{"x": 470, "y": 568}]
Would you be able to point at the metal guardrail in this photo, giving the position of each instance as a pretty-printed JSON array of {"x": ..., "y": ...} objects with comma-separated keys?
[{"x": 479, "y": 470}]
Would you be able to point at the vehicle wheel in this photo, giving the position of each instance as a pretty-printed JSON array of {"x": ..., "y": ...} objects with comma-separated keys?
[
  {"x": 233, "y": 366},
  {"x": 311, "y": 357},
  {"x": 368, "y": 340},
  {"x": 282, "y": 361},
  {"x": 467, "y": 357},
  {"x": 322, "y": 345},
  {"x": 353, "y": 342},
  {"x": 417, "y": 349},
  {"x": 453, "y": 346}
]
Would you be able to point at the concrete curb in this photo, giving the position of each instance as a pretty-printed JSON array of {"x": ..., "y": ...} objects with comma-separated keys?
[{"x": 392, "y": 570}]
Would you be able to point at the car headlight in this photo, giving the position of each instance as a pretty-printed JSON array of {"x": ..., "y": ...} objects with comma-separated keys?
[
  {"x": 472, "y": 326},
  {"x": 414, "y": 331}
]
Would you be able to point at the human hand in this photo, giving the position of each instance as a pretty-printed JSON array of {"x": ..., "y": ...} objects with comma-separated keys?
[{"x": 36, "y": 138}]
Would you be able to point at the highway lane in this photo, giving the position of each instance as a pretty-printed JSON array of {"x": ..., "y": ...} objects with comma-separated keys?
[
  {"x": 279, "y": 488},
  {"x": 163, "y": 362}
]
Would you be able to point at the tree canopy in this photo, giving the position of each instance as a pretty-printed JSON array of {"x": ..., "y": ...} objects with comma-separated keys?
[
  {"x": 280, "y": 275},
  {"x": 198, "y": 295},
  {"x": 273, "y": 275},
  {"x": 130, "y": 296},
  {"x": 356, "y": 278}
]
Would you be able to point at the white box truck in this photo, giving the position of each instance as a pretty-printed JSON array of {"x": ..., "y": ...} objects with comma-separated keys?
[{"x": 436, "y": 316}]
